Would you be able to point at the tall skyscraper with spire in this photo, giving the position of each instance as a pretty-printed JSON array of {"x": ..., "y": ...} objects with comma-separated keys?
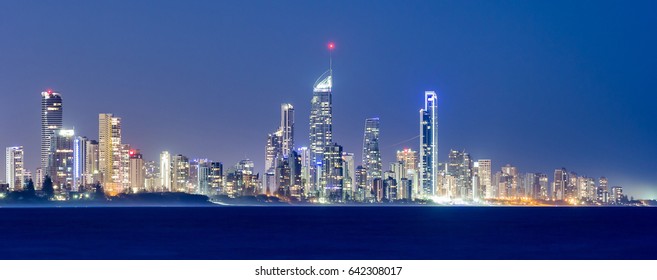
[
  {"x": 371, "y": 152},
  {"x": 321, "y": 124},
  {"x": 429, "y": 144},
  {"x": 52, "y": 112}
]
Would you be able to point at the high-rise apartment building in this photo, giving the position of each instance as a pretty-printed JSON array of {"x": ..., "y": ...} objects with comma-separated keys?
[
  {"x": 52, "y": 112},
  {"x": 61, "y": 159},
  {"x": 287, "y": 129},
  {"x": 409, "y": 159},
  {"x": 459, "y": 167},
  {"x": 79, "y": 160},
  {"x": 180, "y": 173},
  {"x": 484, "y": 171},
  {"x": 92, "y": 163},
  {"x": 304, "y": 154},
  {"x": 371, "y": 152},
  {"x": 216, "y": 178},
  {"x": 110, "y": 151},
  {"x": 165, "y": 172},
  {"x": 15, "y": 168},
  {"x": 332, "y": 176},
  {"x": 559, "y": 184},
  {"x": 321, "y": 128},
  {"x": 603, "y": 190},
  {"x": 349, "y": 171},
  {"x": 429, "y": 144},
  {"x": 137, "y": 171}
]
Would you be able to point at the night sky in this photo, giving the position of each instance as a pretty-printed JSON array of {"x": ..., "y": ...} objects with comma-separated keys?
[{"x": 538, "y": 84}]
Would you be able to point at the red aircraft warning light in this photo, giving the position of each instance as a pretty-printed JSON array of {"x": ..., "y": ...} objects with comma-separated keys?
[{"x": 331, "y": 46}]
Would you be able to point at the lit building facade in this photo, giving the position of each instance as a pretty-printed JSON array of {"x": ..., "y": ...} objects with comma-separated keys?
[
  {"x": 152, "y": 182},
  {"x": 180, "y": 173},
  {"x": 15, "y": 168},
  {"x": 459, "y": 167},
  {"x": 333, "y": 178},
  {"x": 429, "y": 144},
  {"x": 603, "y": 190},
  {"x": 110, "y": 151},
  {"x": 79, "y": 160},
  {"x": 137, "y": 172},
  {"x": 321, "y": 129},
  {"x": 92, "y": 173},
  {"x": 371, "y": 152},
  {"x": 52, "y": 112},
  {"x": 484, "y": 171},
  {"x": 61, "y": 159},
  {"x": 559, "y": 184},
  {"x": 349, "y": 171},
  {"x": 216, "y": 178},
  {"x": 165, "y": 172},
  {"x": 287, "y": 128}
]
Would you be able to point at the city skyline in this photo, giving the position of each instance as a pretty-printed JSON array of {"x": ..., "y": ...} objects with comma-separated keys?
[
  {"x": 294, "y": 172},
  {"x": 395, "y": 126}
]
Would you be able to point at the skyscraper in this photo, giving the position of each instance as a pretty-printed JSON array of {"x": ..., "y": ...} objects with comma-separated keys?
[
  {"x": 560, "y": 184},
  {"x": 294, "y": 162},
  {"x": 109, "y": 151},
  {"x": 137, "y": 171},
  {"x": 165, "y": 172},
  {"x": 349, "y": 172},
  {"x": 304, "y": 154},
  {"x": 409, "y": 159},
  {"x": 79, "y": 159},
  {"x": 180, "y": 173},
  {"x": 616, "y": 195},
  {"x": 15, "y": 168},
  {"x": 152, "y": 181},
  {"x": 124, "y": 168},
  {"x": 52, "y": 112},
  {"x": 61, "y": 159},
  {"x": 371, "y": 152},
  {"x": 332, "y": 173},
  {"x": 273, "y": 154},
  {"x": 202, "y": 176},
  {"x": 459, "y": 167},
  {"x": 603, "y": 188},
  {"x": 543, "y": 182},
  {"x": 287, "y": 129},
  {"x": 216, "y": 178},
  {"x": 485, "y": 177},
  {"x": 91, "y": 162},
  {"x": 429, "y": 144},
  {"x": 512, "y": 181},
  {"x": 362, "y": 193},
  {"x": 321, "y": 125}
]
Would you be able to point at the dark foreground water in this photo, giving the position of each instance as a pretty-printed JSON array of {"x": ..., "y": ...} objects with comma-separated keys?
[{"x": 328, "y": 233}]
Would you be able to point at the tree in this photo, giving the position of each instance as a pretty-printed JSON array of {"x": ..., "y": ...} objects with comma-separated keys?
[
  {"x": 99, "y": 192},
  {"x": 48, "y": 188},
  {"x": 29, "y": 189}
]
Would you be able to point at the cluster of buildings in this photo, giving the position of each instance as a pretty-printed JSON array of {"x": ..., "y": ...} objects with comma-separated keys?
[{"x": 321, "y": 172}]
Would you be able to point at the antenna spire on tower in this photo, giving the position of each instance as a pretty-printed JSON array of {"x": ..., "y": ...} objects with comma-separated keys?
[{"x": 331, "y": 46}]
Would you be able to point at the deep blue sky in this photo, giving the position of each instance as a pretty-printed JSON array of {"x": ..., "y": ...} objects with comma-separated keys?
[{"x": 538, "y": 84}]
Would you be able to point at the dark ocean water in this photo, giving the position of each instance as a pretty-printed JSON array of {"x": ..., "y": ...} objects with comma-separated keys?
[{"x": 328, "y": 233}]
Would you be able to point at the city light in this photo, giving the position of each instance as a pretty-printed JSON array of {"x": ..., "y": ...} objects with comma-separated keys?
[{"x": 323, "y": 173}]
